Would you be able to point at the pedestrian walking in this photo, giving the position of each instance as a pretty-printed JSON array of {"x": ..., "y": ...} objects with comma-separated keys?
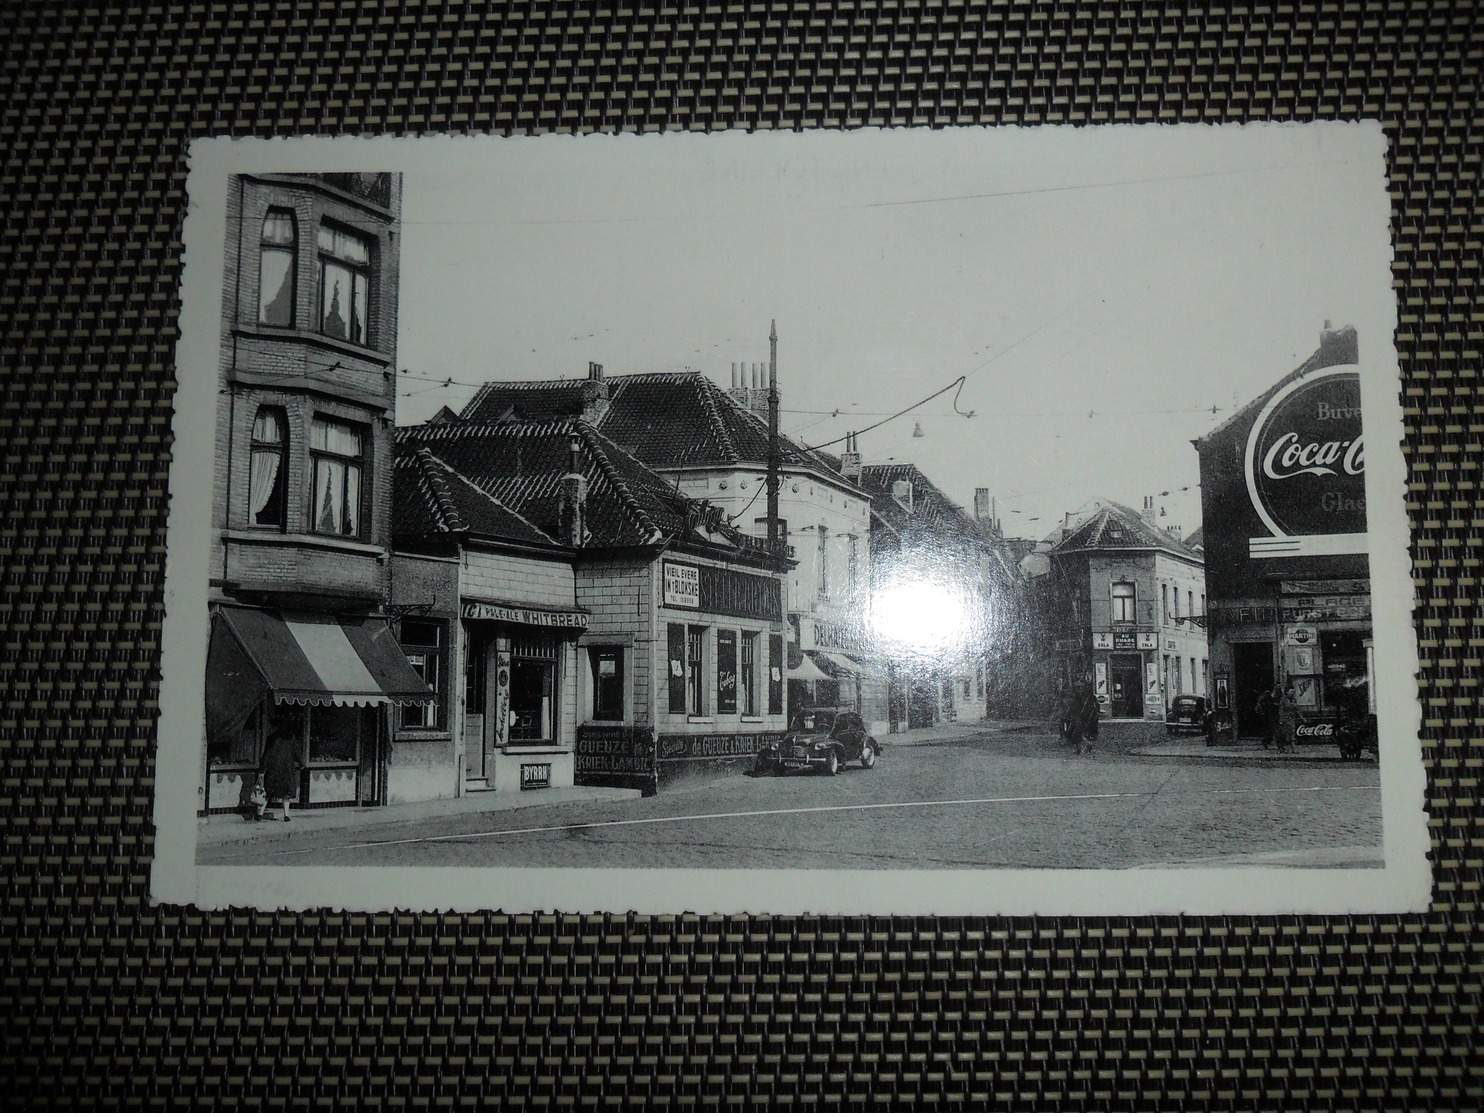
[{"x": 279, "y": 770}]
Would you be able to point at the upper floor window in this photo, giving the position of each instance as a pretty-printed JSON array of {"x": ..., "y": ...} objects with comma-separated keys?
[
  {"x": 422, "y": 642},
  {"x": 824, "y": 565},
  {"x": 1123, "y": 602},
  {"x": 276, "y": 268},
  {"x": 337, "y": 454},
  {"x": 344, "y": 280},
  {"x": 268, "y": 477}
]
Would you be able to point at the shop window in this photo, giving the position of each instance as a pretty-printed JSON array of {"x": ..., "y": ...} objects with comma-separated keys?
[
  {"x": 747, "y": 675},
  {"x": 242, "y": 747},
  {"x": 267, "y": 487},
  {"x": 423, "y": 645},
  {"x": 335, "y": 734},
  {"x": 532, "y": 699},
  {"x": 344, "y": 280},
  {"x": 695, "y": 671},
  {"x": 276, "y": 267},
  {"x": 1123, "y": 602},
  {"x": 775, "y": 673},
  {"x": 726, "y": 672},
  {"x": 337, "y": 452},
  {"x": 608, "y": 683}
]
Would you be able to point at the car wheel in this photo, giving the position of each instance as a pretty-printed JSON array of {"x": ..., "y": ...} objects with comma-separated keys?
[
  {"x": 868, "y": 754},
  {"x": 832, "y": 765}
]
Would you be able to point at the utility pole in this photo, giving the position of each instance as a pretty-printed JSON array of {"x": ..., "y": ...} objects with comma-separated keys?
[{"x": 775, "y": 453}]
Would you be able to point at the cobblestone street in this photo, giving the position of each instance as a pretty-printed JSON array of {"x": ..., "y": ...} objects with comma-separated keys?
[{"x": 1020, "y": 799}]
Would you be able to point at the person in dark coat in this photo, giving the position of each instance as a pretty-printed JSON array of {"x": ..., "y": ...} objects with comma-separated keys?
[
  {"x": 280, "y": 765},
  {"x": 1267, "y": 715}
]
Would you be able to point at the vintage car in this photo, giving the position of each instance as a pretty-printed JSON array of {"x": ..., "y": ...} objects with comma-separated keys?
[
  {"x": 1188, "y": 714},
  {"x": 819, "y": 739}
]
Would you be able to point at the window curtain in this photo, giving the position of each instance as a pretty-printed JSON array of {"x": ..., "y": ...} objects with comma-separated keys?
[{"x": 264, "y": 475}]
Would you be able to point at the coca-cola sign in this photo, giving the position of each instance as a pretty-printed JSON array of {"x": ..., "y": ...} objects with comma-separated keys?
[
  {"x": 1315, "y": 730},
  {"x": 1305, "y": 458}
]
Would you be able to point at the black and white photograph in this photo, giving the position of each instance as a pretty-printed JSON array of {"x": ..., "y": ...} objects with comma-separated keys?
[{"x": 919, "y": 521}]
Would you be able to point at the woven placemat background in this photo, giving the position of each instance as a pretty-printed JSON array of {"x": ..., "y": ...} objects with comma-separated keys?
[{"x": 109, "y": 1001}]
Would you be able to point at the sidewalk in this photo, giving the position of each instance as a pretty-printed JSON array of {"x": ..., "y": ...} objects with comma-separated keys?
[
  {"x": 952, "y": 731},
  {"x": 1195, "y": 748},
  {"x": 228, "y": 829}
]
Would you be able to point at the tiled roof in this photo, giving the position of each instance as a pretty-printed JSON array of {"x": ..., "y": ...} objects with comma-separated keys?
[
  {"x": 665, "y": 419},
  {"x": 430, "y": 498},
  {"x": 1118, "y": 527},
  {"x": 521, "y": 465},
  {"x": 1196, "y": 540},
  {"x": 929, "y": 505}
]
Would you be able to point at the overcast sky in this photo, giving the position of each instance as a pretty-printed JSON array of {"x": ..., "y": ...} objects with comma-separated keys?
[{"x": 1102, "y": 289}]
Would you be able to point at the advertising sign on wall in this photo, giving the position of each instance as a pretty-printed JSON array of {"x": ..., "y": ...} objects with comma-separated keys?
[
  {"x": 682, "y": 585},
  {"x": 1305, "y": 467}
]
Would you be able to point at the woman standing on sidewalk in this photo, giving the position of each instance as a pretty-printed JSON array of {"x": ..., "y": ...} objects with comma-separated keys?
[{"x": 280, "y": 765}]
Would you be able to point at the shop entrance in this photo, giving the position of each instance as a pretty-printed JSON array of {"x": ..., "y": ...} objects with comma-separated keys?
[
  {"x": 476, "y": 698},
  {"x": 1252, "y": 666},
  {"x": 1126, "y": 686}
]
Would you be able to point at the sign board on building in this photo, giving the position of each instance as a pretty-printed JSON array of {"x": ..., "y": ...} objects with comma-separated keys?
[
  {"x": 1125, "y": 641},
  {"x": 711, "y": 746},
  {"x": 535, "y": 776},
  {"x": 1305, "y": 467},
  {"x": 524, "y": 614},
  {"x": 1102, "y": 641},
  {"x": 1148, "y": 641},
  {"x": 682, "y": 585},
  {"x": 615, "y": 756},
  {"x": 1300, "y": 635}
]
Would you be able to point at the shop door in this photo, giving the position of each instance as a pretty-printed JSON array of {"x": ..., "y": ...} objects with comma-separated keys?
[
  {"x": 1252, "y": 666},
  {"x": 1126, "y": 677},
  {"x": 476, "y": 693}
]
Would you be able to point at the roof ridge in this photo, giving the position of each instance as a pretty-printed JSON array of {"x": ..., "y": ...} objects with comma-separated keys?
[
  {"x": 496, "y": 501},
  {"x": 445, "y": 511},
  {"x": 593, "y": 438},
  {"x": 718, "y": 425}
]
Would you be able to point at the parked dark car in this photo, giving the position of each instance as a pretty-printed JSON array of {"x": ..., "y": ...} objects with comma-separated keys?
[
  {"x": 820, "y": 739},
  {"x": 1188, "y": 713}
]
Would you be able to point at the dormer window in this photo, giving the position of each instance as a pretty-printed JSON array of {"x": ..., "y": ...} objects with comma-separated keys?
[
  {"x": 276, "y": 268},
  {"x": 344, "y": 281}
]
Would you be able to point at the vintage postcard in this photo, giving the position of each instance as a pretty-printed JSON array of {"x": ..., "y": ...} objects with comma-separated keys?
[{"x": 949, "y": 522}]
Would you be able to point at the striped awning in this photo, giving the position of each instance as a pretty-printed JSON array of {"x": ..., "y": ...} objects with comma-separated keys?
[
  {"x": 835, "y": 665},
  {"x": 307, "y": 658}
]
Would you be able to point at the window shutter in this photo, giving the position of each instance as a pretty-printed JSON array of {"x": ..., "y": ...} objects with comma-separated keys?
[
  {"x": 675, "y": 668},
  {"x": 775, "y": 674}
]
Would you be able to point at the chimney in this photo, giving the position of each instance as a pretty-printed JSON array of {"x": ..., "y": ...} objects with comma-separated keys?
[
  {"x": 850, "y": 460},
  {"x": 740, "y": 392},
  {"x": 572, "y": 513},
  {"x": 1148, "y": 514},
  {"x": 594, "y": 394},
  {"x": 982, "y": 511},
  {"x": 901, "y": 492}
]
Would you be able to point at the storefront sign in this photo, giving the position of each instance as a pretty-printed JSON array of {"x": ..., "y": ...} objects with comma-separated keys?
[
  {"x": 524, "y": 614},
  {"x": 1305, "y": 467},
  {"x": 682, "y": 585},
  {"x": 1124, "y": 641},
  {"x": 1300, "y": 635},
  {"x": 1102, "y": 641},
  {"x": 535, "y": 776},
  {"x": 711, "y": 746},
  {"x": 1318, "y": 731},
  {"x": 614, "y": 755},
  {"x": 1148, "y": 641},
  {"x": 1324, "y": 587}
]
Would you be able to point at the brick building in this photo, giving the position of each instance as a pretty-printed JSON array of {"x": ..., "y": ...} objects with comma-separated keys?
[
  {"x": 1287, "y": 568},
  {"x": 1131, "y": 602},
  {"x": 922, "y": 543},
  {"x": 300, "y": 644},
  {"x": 712, "y": 445},
  {"x": 606, "y": 628}
]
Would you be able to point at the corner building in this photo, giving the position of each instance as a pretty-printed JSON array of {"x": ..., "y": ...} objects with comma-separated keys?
[
  {"x": 1288, "y": 575},
  {"x": 301, "y": 643}
]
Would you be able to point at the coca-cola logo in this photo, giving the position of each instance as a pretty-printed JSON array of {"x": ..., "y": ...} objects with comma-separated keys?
[
  {"x": 1319, "y": 729},
  {"x": 1305, "y": 460}
]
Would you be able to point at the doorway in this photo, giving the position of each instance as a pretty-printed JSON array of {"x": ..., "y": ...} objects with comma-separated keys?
[
  {"x": 1252, "y": 668},
  {"x": 1126, "y": 681}
]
